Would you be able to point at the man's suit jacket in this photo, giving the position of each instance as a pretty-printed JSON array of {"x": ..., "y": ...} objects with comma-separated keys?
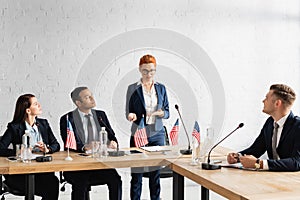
[
  {"x": 100, "y": 119},
  {"x": 135, "y": 103},
  {"x": 14, "y": 132},
  {"x": 288, "y": 147}
]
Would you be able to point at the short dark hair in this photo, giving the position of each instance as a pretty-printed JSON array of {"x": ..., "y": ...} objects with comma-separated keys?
[
  {"x": 285, "y": 93},
  {"x": 75, "y": 93}
]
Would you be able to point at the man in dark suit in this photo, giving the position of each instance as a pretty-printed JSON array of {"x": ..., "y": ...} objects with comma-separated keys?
[
  {"x": 280, "y": 135},
  {"x": 81, "y": 180}
]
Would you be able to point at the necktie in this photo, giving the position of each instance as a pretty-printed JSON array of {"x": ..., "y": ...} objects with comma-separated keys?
[
  {"x": 274, "y": 141},
  {"x": 89, "y": 129}
]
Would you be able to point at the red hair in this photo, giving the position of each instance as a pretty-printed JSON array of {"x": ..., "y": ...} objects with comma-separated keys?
[{"x": 146, "y": 59}]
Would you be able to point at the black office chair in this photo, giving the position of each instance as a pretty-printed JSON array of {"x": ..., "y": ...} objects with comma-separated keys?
[
  {"x": 165, "y": 171},
  {"x": 6, "y": 189},
  {"x": 64, "y": 182}
]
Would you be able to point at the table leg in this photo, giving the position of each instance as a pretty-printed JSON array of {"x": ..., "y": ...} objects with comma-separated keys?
[
  {"x": 204, "y": 193},
  {"x": 29, "y": 187},
  {"x": 178, "y": 186}
]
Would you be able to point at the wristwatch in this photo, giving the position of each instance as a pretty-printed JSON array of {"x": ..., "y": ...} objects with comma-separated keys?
[{"x": 257, "y": 164}]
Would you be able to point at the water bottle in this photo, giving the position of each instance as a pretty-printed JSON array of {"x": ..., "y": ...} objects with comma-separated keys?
[
  {"x": 26, "y": 154},
  {"x": 207, "y": 144},
  {"x": 103, "y": 143}
]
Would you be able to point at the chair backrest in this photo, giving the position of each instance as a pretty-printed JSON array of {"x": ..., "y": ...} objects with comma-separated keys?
[
  {"x": 5, "y": 188},
  {"x": 11, "y": 190}
]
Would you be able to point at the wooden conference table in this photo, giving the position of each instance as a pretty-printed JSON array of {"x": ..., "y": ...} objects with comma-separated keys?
[
  {"x": 236, "y": 184},
  {"x": 230, "y": 183},
  {"x": 82, "y": 163}
]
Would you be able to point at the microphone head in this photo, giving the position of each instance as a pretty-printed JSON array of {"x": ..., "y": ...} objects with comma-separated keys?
[
  {"x": 241, "y": 125},
  {"x": 176, "y": 106}
]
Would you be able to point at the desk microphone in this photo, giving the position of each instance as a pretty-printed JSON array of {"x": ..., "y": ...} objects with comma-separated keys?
[
  {"x": 189, "y": 150},
  {"x": 113, "y": 153},
  {"x": 209, "y": 166}
]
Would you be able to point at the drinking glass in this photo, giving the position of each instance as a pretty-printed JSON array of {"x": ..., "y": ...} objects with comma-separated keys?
[
  {"x": 95, "y": 148},
  {"x": 18, "y": 151},
  {"x": 206, "y": 145}
]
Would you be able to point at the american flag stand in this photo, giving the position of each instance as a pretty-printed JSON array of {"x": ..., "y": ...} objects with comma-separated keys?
[
  {"x": 195, "y": 144},
  {"x": 68, "y": 158},
  {"x": 71, "y": 142},
  {"x": 140, "y": 137},
  {"x": 174, "y": 133}
]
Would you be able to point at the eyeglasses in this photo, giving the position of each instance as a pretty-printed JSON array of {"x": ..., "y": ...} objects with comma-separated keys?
[{"x": 146, "y": 72}]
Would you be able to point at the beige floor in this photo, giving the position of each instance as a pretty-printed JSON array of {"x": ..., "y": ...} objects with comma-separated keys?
[{"x": 192, "y": 190}]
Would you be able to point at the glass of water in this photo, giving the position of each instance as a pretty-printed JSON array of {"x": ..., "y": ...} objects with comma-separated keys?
[{"x": 18, "y": 151}]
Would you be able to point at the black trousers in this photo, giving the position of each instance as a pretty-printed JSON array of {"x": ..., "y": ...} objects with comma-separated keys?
[
  {"x": 82, "y": 180},
  {"x": 46, "y": 184}
]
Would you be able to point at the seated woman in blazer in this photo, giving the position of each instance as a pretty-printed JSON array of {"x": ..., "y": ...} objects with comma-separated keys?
[{"x": 43, "y": 139}]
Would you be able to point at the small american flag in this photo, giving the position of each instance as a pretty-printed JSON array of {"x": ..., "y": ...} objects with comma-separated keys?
[
  {"x": 140, "y": 136},
  {"x": 71, "y": 142},
  {"x": 174, "y": 133},
  {"x": 196, "y": 132}
]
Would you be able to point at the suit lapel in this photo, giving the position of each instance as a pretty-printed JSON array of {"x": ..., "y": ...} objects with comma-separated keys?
[
  {"x": 41, "y": 130},
  {"x": 96, "y": 119},
  {"x": 269, "y": 136},
  {"x": 139, "y": 91},
  {"x": 21, "y": 129},
  {"x": 159, "y": 95},
  {"x": 286, "y": 128},
  {"x": 78, "y": 124}
]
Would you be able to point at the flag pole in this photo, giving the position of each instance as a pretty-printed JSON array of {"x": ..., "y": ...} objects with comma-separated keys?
[
  {"x": 144, "y": 155},
  {"x": 195, "y": 144},
  {"x": 68, "y": 158}
]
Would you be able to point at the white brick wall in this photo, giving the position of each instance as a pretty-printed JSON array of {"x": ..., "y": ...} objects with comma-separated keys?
[{"x": 44, "y": 45}]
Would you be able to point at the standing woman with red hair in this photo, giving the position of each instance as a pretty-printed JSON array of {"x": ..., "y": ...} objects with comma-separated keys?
[{"x": 147, "y": 100}]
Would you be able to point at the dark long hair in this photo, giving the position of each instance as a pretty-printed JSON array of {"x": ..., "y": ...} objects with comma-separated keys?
[{"x": 23, "y": 102}]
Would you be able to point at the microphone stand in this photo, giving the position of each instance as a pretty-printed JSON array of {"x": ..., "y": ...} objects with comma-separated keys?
[
  {"x": 209, "y": 166},
  {"x": 117, "y": 152},
  {"x": 189, "y": 150}
]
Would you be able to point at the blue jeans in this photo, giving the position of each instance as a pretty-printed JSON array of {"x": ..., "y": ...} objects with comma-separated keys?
[{"x": 155, "y": 138}]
